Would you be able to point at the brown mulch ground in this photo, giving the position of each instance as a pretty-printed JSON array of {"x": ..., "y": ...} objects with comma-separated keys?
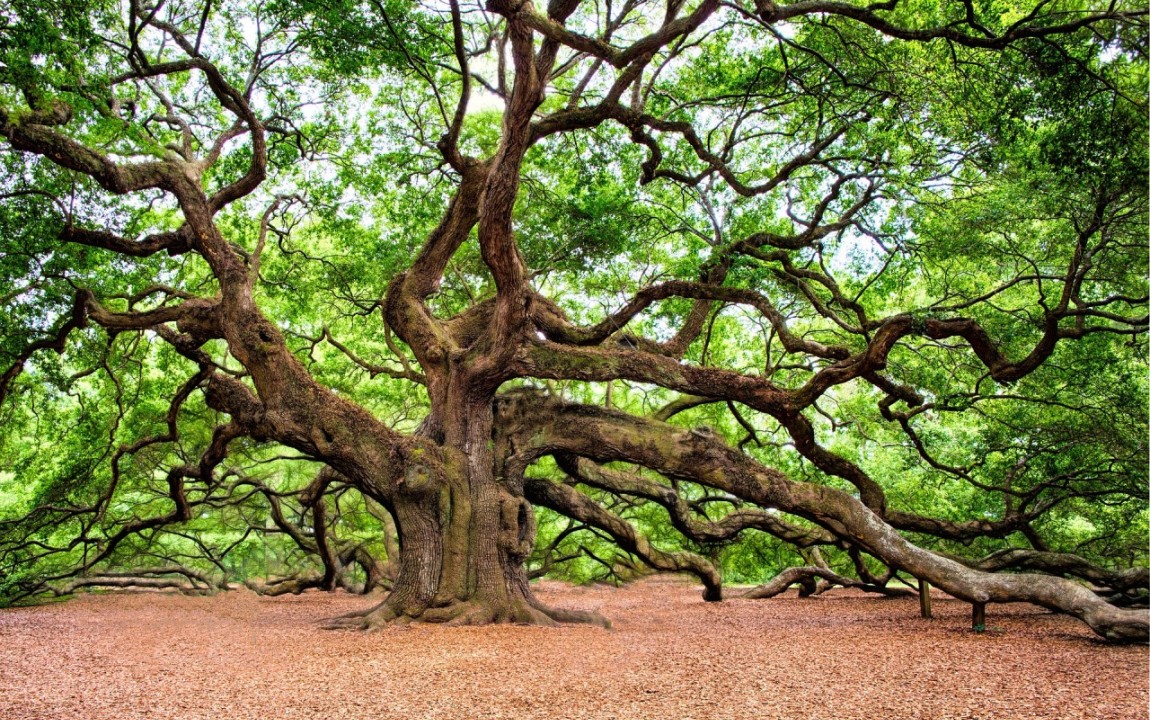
[{"x": 670, "y": 656}]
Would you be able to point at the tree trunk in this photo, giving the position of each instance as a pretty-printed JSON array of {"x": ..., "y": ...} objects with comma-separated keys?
[{"x": 464, "y": 537}]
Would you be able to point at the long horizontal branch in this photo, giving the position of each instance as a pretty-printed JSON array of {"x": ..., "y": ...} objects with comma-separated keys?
[
  {"x": 1061, "y": 564},
  {"x": 679, "y": 510},
  {"x": 552, "y": 427},
  {"x": 174, "y": 242},
  {"x": 556, "y": 328},
  {"x": 552, "y": 360},
  {"x": 779, "y": 583},
  {"x": 34, "y": 132}
]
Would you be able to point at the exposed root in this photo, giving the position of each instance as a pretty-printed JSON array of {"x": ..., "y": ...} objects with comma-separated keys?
[
  {"x": 294, "y": 584},
  {"x": 361, "y": 619},
  {"x": 568, "y": 616},
  {"x": 464, "y": 613},
  {"x": 459, "y": 613},
  {"x": 343, "y": 623}
]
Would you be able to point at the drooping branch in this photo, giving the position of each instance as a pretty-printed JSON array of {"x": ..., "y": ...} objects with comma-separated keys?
[
  {"x": 700, "y": 529},
  {"x": 57, "y": 341},
  {"x": 605, "y": 435},
  {"x": 570, "y": 502},
  {"x": 189, "y": 581},
  {"x": 801, "y": 575},
  {"x": 1064, "y": 564}
]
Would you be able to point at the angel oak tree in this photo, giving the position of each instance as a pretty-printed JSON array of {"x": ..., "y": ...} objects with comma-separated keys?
[{"x": 836, "y": 227}]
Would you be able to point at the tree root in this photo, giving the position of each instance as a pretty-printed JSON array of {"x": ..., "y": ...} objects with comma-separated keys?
[
  {"x": 462, "y": 613},
  {"x": 291, "y": 585},
  {"x": 568, "y": 616}
]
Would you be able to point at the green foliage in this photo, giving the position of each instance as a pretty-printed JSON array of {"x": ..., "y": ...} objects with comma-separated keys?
[{"x": 967, "y": 179}]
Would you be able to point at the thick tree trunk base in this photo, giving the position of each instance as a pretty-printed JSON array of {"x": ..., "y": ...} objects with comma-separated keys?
[{"x": 464, "y": 613}]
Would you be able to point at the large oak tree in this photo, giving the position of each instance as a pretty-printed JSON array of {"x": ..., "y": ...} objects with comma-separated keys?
[{"x": 862, "y": 277}]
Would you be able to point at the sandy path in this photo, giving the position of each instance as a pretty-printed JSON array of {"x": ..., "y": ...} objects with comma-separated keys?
[{"x": 669, "y": 656}]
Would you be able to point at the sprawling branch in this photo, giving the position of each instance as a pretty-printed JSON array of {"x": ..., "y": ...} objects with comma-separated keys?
[
  {"x": 573, "y": 504},
  {"x": 1027, "y": 27},
  {"x": 700, "y": 529},
  {"x": 1066, "y": 564},
  {"x": 57, "y": 341},
  {"x": 604, "y": 435},
  {"x": 802, "y": 575},
  {"x": 174, "y": 243}
]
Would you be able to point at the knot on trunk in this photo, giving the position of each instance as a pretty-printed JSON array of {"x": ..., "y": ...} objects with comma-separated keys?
[
  {"x": 200, "y": 320},
  {"x": 231, "y": 396},
  {"x": 417, "y": 478},
  {"x": 516, "y": 526}
]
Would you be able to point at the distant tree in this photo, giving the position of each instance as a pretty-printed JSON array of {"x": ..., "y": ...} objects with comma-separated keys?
[{"x": 869, "y": 279}]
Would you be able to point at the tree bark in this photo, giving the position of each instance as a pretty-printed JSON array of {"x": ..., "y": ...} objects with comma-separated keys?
[
  {"x": 805, "y": 576},
  {"x": 552, "y": 427},
  {"x": 464, "y": 536}
]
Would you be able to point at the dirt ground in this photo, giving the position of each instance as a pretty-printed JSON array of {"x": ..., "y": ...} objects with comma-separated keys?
[{"x": 670, "y": 656}]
